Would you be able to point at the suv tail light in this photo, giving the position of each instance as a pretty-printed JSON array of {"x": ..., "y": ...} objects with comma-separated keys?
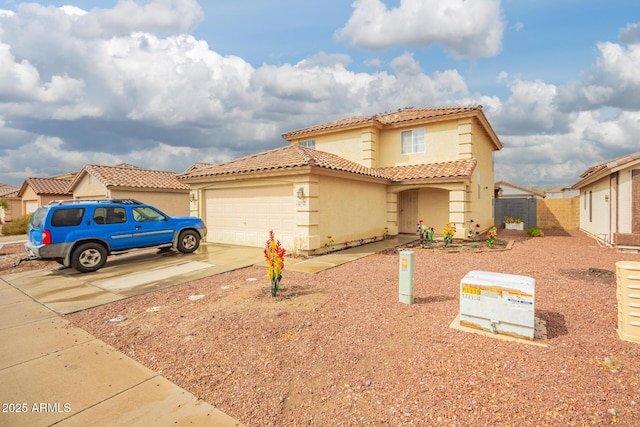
[{"x": 46, "y": 237}]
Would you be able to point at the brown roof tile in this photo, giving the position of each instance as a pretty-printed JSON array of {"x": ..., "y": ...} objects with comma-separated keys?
[
  {"x": 455, "y": 169},
  {"x": 609, "y": 164},
  {"x": 47, "y": 185},
  {"x": 293, "y": 156},
  {"x": 8, "y": 191},
  {"x": 287, "y": 157},
  {"x": 384, "y": 119},
  {"x": 133, "y": 177}
]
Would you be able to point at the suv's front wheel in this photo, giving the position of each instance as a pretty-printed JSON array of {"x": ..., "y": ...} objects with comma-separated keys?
[
  {"x": 88, "y": 257},
  {"x": 188, "y": 241}
]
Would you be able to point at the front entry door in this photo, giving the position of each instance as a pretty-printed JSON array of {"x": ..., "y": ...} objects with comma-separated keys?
[{"x": 408, "y": 211}]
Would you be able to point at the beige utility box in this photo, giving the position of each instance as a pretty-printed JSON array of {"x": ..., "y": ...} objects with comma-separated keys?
[{"x": 628, "y": 293}]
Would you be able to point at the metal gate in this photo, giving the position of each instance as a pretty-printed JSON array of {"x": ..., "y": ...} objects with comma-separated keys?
[{"x": 523, "y": 208}]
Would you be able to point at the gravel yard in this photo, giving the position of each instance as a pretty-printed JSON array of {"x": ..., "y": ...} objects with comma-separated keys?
[{"x": 338, "y": 349}]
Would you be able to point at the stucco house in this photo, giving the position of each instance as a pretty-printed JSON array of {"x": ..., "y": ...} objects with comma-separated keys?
[
  {"x": 9, "y": 194},
  {"x": 158, "y": 188},
  {"x": 610, "y": 201},
  {"x": 354, "y": 179},
  {"x": 36, "y": 192}
]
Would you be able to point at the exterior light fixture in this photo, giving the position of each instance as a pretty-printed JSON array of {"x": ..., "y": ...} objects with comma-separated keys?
[
  {"x": 300, "y": 193},
  {"x": 192, "y": 197}
]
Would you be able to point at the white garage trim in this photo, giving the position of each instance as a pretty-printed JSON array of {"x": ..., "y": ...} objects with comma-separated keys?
[{"x": 244, "y": 216}]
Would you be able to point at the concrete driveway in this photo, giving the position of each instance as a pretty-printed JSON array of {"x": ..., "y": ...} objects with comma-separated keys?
[{"x": 66, "y": 291}]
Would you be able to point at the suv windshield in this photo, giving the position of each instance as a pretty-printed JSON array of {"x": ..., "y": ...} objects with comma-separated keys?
[{"x": 38, "y": 217}]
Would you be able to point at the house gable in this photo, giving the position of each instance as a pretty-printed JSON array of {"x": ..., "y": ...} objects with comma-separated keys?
[{"x": 450, "y": 133}]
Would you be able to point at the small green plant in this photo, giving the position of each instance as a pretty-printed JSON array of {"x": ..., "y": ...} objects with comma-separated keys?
[
  {"x": 329, "y": 245},
  {"x": 4, "y": 204},
  {"x": 386, "y": 234},
  {"x": 491, "y": 236},
  {"x": 535, "y": 232},
  {"x": 18, "y": 226}
]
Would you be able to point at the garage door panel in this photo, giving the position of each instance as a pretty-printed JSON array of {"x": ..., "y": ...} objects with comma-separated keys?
[{"x": 245, "y": 216}]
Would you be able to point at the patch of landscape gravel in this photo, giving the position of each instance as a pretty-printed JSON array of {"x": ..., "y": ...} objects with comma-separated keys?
[{"x": 338, "y": 349}]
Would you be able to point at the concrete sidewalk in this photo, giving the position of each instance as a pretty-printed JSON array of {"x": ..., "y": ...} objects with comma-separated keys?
[{"x": 52, "y": 373}]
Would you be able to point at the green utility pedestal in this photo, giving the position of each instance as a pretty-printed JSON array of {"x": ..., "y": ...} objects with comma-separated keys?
[{"x": 406, "y": 277}]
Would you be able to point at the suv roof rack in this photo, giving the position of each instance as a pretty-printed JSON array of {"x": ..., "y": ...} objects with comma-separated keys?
[{"x": 77, "y": 201}]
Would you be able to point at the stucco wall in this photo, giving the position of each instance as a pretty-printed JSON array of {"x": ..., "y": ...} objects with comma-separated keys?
[
  {"x": 558, "y": 213},
  {"x": 440, "y": 145},
  {"x": 171, "y": 203},
  {"x": 596, "y": 224},
  {"x": 88, "y": 187},
  {"x": 346, "y": 144},
  {"x": 350, "y": 210},
  {"x": 433, "y": 208},
  {"x": 482, "y": 180},
  {"x": 624, "y": 201}
]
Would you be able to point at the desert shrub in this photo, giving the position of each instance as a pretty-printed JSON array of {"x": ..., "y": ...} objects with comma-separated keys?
[
  {"x": 17, "y": 226},
  {"x": 535, "y": 232}
]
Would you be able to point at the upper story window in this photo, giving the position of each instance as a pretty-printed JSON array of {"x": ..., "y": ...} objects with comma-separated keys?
[
  {"x": 412, "y": 141},
  {"x": 311, "y": 143}
]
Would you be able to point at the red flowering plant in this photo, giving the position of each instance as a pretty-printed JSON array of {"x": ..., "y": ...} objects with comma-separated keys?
[{"x": 274, "y": 254}]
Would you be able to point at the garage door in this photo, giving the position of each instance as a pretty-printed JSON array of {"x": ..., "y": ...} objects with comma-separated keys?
[{"x": 244, "y": 216}]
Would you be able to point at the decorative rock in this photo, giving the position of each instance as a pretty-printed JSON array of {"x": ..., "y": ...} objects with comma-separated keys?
[
  {"x": 608, "y": 361},
  {"x": 195, "y": 297},
  {"x": 152, "y": 309},
  {"x": 118, "y": 319},
  {"x": 612, "y": 412}
]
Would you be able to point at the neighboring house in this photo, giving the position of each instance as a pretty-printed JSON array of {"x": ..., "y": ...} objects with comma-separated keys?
[
  {"x": 157, "y": 188},
  {"x": 564, "y": 192},
  {"x": 610, "y": 201},
  {"x": 9, "y": 193},
  {"x": 36, "y": 192},
  {"x": 516, "y": 201},
  {"x": 508, "y": 190},
  {"x": 354, "y": 179}
]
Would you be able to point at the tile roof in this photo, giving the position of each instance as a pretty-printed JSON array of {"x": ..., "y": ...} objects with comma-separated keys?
[
  {"x": 130, "y": 176},
  {"x": 610, "y": 164},
  {"x": 47, "y": 186},
  {"x": 287, "y": 157},
  {"x": 8, "y": 191},
  {"x": 295, "y": 156},
  {"x": 454, "y": 169},
  {"x": 399, "y": 116}
]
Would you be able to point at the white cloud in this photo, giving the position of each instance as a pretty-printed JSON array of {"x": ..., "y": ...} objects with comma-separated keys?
[
  {"x": 406, "y": 64},
  {"x": 469, "y": 29},
  {"x": 165, "y": 17},
  {"x": 144, "y": 86}
]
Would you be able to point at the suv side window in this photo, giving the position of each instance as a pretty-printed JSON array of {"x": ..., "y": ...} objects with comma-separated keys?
[
  {"x": 146, "y": 214},
  {"x": 67, "y": 217},
  {"x": 109, "y": 215}
]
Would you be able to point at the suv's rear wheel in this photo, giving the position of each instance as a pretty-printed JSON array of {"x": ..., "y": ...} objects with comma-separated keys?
[
  {"x": 188, "y": 241},
  {"x": 88, "y": 257}
]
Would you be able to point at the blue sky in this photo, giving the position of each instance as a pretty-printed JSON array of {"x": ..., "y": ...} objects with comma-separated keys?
[{"x": 106, "y": 82}]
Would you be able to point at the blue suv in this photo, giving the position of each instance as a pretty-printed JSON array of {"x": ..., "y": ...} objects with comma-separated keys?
[{"x": 82, "y": 233}]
